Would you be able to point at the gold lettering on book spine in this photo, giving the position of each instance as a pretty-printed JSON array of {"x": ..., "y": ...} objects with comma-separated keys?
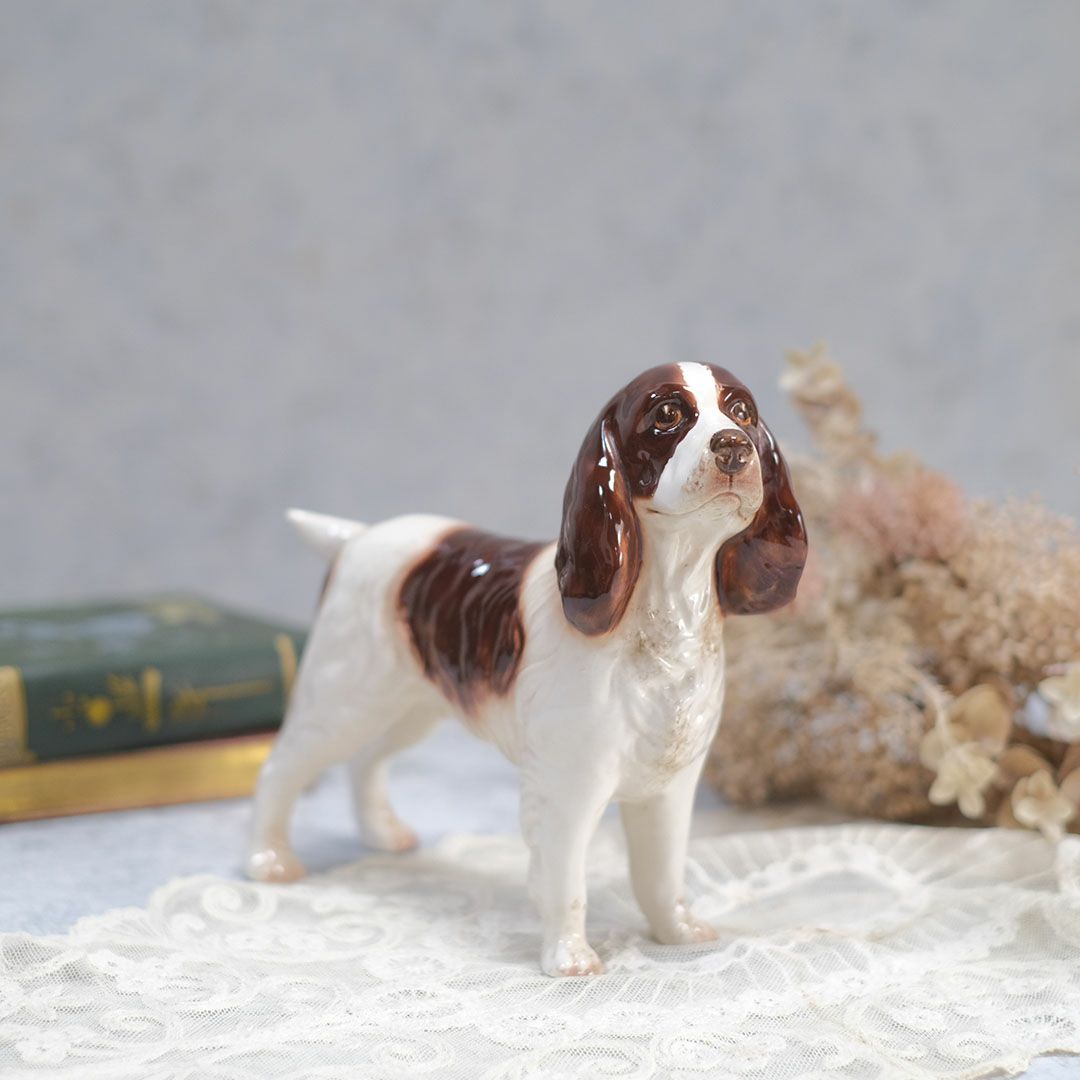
[
  {"x": 14, "y": 749},
  {"x": 151, "y": 692},
  {"x": 191, "y": 702},
  {"x": 286, "y": 651}
]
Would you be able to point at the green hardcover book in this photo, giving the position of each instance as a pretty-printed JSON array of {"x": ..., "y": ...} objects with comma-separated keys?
[{"x": 107, "y": 677}]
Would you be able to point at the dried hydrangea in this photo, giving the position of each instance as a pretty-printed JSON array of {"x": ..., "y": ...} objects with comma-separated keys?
[
  {"x": 1062, "y": 692},
  {"x": 1036, "y": 799},
  {"x": 918, "y": 610},
  {"x": 1007, "y": 602},
  {"x": 962, "y": 747},
  {"x": 1038, "y": 804}
]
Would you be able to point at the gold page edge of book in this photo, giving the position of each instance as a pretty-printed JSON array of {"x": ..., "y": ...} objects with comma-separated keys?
[{"x": 159, "y": 777}]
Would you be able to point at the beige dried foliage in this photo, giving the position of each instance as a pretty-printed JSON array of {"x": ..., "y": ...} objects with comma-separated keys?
[
  {"x": 1006, "y": 602},
  {"x": 923, "y": 625},
  {"x": 917, "y": 515}
]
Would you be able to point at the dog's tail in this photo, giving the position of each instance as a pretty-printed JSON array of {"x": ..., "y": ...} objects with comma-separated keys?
[{"x": 326, "y": 534}]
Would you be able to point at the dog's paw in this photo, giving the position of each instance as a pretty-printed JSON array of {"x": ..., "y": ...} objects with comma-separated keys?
[
  {"x": 388, "y": 833},
  {"x": 570, "y": 956},
  {"x": 683, "y": 928},
  {"x": 274, "y": 864}
]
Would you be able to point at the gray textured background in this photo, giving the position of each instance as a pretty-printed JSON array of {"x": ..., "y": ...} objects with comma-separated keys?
[{"x": 370, "y": 258}]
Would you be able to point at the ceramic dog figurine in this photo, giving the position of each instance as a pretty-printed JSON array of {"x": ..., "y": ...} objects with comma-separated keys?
[{"x": 596, "y": 663}]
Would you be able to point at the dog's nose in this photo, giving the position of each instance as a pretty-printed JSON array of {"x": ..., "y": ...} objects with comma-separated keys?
[{"x": 733, "y": 451}]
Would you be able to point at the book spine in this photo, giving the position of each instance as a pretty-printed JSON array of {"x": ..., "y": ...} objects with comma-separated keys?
[{"x": 46, "y": 715}]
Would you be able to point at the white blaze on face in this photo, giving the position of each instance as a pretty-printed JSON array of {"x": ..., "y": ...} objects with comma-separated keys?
[{"x": 691, "y": 477}]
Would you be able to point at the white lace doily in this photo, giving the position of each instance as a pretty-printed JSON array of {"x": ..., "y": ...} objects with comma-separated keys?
[{"x": 846, "y": 951}]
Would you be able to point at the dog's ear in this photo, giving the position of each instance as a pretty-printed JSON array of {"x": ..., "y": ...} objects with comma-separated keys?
[
  {"x": 758, "y": 570},
  {"x": 599, "y": 554}
]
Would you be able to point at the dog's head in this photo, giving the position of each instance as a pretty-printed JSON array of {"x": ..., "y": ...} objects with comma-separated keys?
[{"x": 681, "y": 447}]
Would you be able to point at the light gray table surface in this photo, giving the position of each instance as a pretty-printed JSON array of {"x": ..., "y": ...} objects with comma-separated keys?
[{"x": 54, "y": 872}]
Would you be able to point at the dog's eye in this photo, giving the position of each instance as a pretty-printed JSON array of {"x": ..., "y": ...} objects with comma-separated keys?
[
  {"x": 740, "y": 413},
  {"x": 668, "y": 416}
]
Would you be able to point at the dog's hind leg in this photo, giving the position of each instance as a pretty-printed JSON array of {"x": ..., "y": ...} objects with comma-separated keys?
[
  {"x": 380, "y": 828},
  {"x": 302, "y": 750},
  {"x": 320, "y": 730}
]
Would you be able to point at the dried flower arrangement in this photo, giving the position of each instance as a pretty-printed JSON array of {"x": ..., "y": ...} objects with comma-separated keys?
[{"x": 930, "y": 668}]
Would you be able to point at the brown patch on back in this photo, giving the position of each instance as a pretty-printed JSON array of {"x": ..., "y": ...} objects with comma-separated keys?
[{"x": 460, "y": 604}]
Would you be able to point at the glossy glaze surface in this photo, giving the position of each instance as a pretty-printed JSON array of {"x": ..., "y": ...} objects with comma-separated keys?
[
  {"x": 622, "y": 458},
  {"x": 759, "y": 569},
  {"x": 460, "y": 604},
  {"x": 596, "y": 664}
]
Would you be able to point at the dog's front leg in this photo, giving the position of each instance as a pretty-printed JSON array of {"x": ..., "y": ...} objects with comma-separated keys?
[
  {"x": 657, "y": 831},
  {"x": 559, "y": 815}
]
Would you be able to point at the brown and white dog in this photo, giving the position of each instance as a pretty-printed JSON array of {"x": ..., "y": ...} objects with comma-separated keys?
[{"x": 596, "y": 664}]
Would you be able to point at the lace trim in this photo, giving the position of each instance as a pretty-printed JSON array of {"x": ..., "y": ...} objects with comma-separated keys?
[{"x": 853, "y": 950}]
